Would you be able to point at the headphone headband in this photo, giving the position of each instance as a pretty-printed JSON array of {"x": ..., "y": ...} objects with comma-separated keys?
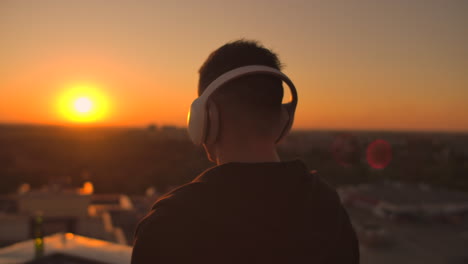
[
  {"x": 243, "y": 71},
  {"x": 197, "y": 117}
]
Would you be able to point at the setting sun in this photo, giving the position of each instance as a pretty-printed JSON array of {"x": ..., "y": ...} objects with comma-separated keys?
[{"x": 83, "y": 104}]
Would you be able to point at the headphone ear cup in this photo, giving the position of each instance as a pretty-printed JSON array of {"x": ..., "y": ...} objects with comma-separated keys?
[
  {"x": 212, "y": 124},
  {"x": 196, "y": 122}
]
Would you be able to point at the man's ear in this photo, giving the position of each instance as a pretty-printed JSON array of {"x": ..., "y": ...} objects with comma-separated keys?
[{"x": 213, "y": 124}]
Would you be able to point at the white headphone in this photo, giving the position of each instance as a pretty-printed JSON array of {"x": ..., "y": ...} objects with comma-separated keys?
[{"x": 198, "y": 115}]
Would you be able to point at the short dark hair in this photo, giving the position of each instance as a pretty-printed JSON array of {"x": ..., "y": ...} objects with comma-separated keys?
[
  {"x": 234, "y": 55},
  {"x": 258, "y": 96}
]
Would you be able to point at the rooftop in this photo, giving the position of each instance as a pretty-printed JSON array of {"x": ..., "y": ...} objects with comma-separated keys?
[{"x": 72, "y": 247}]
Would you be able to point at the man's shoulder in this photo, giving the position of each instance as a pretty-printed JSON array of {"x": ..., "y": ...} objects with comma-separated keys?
[
  {"x": 180, "y": 195},
  {"x": 321, "y": 186},
  {"x": 178, "y": 204}
]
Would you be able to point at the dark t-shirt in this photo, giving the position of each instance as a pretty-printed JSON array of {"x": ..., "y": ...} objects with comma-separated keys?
[{"x": 248, "y": 213}]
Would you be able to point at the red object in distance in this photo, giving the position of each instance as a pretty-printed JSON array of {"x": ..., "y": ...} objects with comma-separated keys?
[{"x": 379, "y": 154}]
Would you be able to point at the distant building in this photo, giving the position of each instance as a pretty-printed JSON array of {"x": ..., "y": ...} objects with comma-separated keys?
[
  {"x": 400, "y": 201},
  {"x": 152, "y": 128},
  {"x": 63, "y": 211},
  {"x": 173, "y": 132},
  {"x": 122, "y": 212}
]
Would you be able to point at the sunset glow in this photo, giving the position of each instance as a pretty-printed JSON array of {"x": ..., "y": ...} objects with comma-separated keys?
[
  {"x": 404, "y": 73},
  {"x": 83, "y": 104}
]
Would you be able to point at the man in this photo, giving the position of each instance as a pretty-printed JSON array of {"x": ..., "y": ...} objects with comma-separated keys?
[{"x": 251, "y": 207}]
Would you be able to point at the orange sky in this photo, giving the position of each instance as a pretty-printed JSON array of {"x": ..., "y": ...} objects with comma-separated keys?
[{"x": 396, "y": 65}]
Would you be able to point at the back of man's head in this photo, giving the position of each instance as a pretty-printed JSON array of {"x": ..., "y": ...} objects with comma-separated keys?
[{"x": 249, "y": 107}]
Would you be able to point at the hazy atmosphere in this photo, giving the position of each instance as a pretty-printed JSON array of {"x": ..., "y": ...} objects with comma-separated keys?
[{"x": 385, "y": 65}]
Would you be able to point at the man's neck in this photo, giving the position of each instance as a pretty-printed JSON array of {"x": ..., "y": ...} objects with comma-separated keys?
[{"x": 247, "y": 154}]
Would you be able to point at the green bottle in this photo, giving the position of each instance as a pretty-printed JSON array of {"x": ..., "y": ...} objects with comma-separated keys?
[{"x": 39, "y": 235}]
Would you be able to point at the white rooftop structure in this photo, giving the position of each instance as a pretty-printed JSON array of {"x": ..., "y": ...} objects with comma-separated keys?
[
  {"x": 63, "y": 210},
  {"x": 68, "y": 244}
]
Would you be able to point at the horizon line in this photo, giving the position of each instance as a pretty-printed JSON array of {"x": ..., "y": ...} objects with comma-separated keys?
[{"x": 97, "y": 125}]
